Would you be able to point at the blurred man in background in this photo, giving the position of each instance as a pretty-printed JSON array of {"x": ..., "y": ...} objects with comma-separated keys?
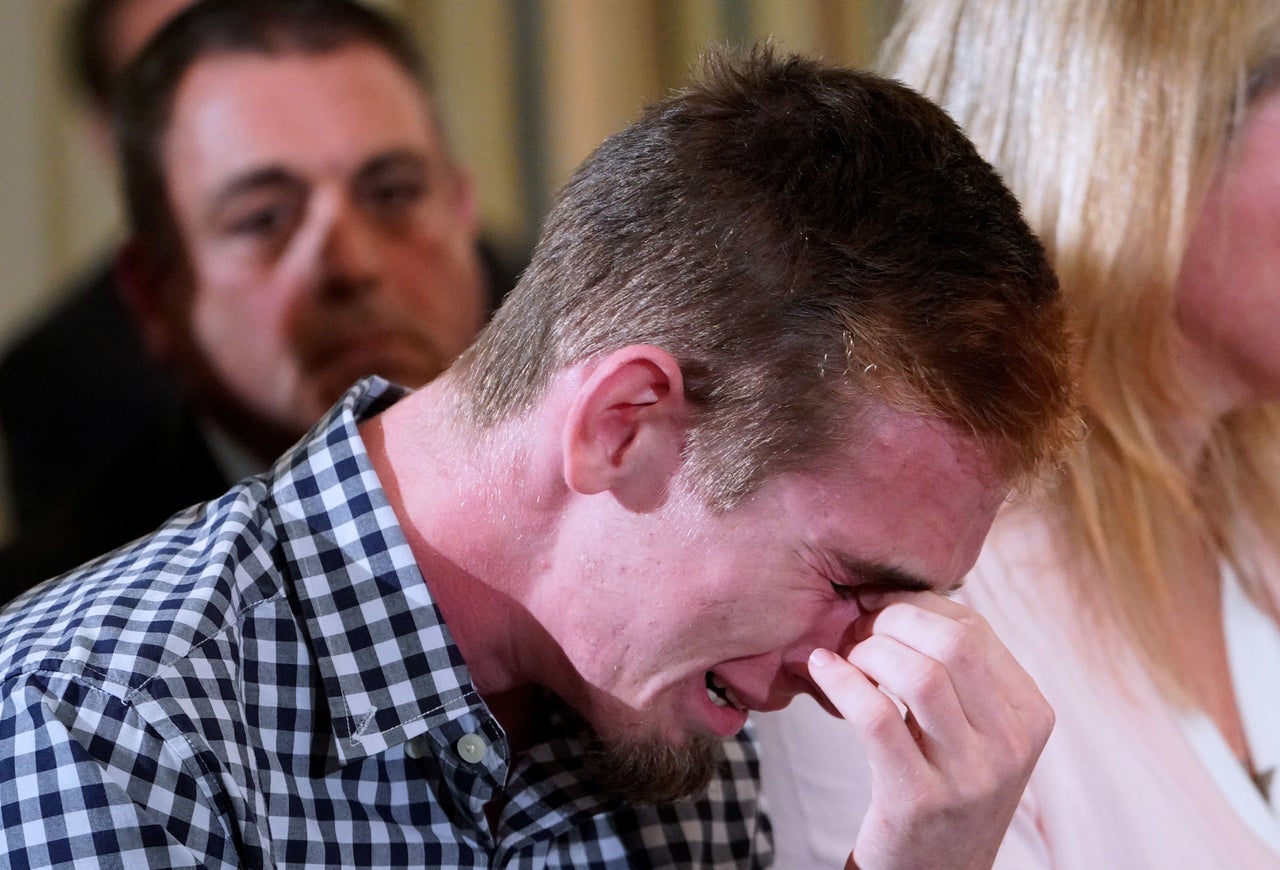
[{"x": 295, "y": 225}]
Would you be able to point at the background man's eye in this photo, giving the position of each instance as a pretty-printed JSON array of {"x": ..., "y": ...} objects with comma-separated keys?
[
  {"x": 262, "y": 221},
  {"x": 396, "y": 196}
]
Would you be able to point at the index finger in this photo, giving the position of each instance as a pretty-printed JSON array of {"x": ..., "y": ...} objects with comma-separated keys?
[
  {"x": 890, "y": 746},
  {"x": 985, "y": 674},
  {"x": 872, "y": 602}
]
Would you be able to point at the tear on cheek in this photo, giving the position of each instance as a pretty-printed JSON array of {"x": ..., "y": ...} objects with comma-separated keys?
[{"x": 902, "y": 708}]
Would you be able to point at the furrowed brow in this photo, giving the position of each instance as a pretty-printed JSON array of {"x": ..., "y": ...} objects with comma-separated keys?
[{"x": 874, "y": 576}]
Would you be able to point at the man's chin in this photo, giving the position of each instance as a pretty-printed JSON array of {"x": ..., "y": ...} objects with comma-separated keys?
[
  {"x": 651, "y": 770},
  {"x": 326, "y": 379},
  {"x": 408, "y": 365}
]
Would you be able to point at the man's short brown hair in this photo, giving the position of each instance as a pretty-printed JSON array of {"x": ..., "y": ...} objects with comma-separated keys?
[{"x": 801, "y": 238}]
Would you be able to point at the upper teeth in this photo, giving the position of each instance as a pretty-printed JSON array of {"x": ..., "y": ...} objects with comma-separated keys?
[{"x": 719, "y": 693}]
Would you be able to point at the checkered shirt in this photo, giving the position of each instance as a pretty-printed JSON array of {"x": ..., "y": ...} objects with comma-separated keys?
[{"x": 266, "y": 682}]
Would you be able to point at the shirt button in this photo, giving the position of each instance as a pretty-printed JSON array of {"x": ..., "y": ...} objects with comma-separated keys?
[{"x": 471, "y": 748}]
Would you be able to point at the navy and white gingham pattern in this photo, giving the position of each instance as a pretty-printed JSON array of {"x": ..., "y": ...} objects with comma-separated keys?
[{"x": 266, "y": 682}]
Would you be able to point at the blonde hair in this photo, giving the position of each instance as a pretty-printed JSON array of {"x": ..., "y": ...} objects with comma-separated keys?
[{"x": 1107, "y": 119}]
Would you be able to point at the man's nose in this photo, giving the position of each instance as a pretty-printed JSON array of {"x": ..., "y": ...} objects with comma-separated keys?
[
  {"x": 349, "y": 255},
  {"x": 834, "y": 632},
  {"x": 334, "y": 253}
]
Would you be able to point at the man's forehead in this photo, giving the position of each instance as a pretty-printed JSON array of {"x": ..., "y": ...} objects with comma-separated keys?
[
  {"x": 235, "y": 127},
  {"x": 214, "y": 69},
  {"x": 907, "y": 500},
  {"x": 874, "y": 426}
]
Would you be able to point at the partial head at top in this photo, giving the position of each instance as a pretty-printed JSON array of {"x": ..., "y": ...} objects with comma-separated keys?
[{"x": 103, "y": 36}]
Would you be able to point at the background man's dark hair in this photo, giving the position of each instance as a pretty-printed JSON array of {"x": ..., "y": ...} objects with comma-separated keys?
[
  {"x": 800, "y": 237},
  {"x": 88, "y": 38},
  {"x": 145, "y": 94}
]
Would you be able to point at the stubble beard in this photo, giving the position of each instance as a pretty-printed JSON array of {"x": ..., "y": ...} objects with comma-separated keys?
[{"x": 649, "y": 770}]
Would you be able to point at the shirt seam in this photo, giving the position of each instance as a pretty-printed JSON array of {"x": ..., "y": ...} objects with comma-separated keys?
[{"x": 221, "y": 632}]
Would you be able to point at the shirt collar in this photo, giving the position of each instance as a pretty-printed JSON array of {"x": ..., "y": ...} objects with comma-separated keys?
[{"x": 389, "y": 667}]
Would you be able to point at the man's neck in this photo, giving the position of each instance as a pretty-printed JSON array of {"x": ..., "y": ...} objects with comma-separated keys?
[
  {"x": 477, "y": 570},
  {"x": 514, "y": 709}
]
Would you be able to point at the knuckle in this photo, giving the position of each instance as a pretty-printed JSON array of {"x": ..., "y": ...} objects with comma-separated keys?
[
  {"x": 1037, "y": 717},
  {"x": 973, "y": 620},
  {"x": 928, "y": 681},
  {"x": 880, "y": 718},
  {"x": 1019, "y": 744},
  {"x": 1045, "y": 720},
  {"x": 959, "y": 644}
]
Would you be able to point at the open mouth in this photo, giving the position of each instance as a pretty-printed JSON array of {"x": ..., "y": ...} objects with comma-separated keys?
[{"x": 720, "y": 694}]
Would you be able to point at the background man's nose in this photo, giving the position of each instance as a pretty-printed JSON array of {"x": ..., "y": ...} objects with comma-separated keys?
[{"x": 349, "y": 255}]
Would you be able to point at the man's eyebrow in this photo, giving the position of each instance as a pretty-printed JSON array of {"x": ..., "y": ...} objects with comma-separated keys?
[
  {"x": 399, "y": 158},
  {"x": 873, "y": 575},
  {"x": 247, "y": 182}
]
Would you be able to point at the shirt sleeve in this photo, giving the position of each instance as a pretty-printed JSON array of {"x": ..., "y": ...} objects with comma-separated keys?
[{"x": 84, "y": 781}]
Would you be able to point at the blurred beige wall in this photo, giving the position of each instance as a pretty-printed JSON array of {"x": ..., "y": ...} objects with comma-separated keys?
[
  {"x": 527, "y": 88},
  {"x": 57, "y": 204}
]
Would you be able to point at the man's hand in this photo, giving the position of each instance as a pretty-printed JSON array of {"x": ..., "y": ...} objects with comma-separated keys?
[{"x": 947, "y": 776}]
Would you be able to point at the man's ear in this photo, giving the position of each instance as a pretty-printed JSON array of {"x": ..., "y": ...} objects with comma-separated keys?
[
  {"x": 150, "y": 301},
  {"x": 626, "y": 427}
]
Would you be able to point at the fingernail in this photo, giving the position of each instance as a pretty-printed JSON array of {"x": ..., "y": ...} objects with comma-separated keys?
[{"x": 822, "y": 658}]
